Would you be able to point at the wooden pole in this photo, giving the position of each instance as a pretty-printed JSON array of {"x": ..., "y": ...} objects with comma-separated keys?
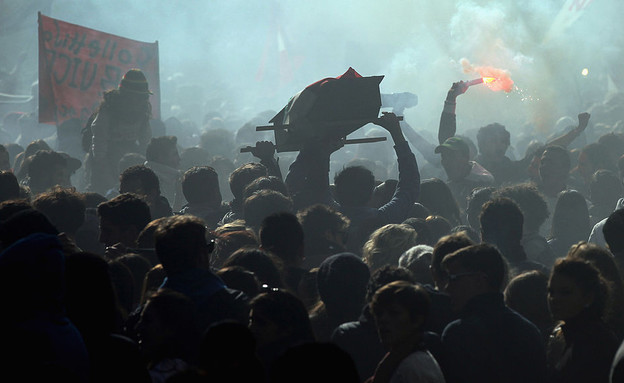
[{"x": 248, "y": 149}]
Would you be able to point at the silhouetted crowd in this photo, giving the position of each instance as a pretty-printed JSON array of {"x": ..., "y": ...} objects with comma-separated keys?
[{"x": 140, "y": 250}]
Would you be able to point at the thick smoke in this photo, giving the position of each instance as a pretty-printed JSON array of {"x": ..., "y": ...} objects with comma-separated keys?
[
  {"x": 496, "y": 79},
  {"x": 243, "y": 57}
]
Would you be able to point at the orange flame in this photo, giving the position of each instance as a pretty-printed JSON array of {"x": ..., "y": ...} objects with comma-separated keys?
[
  {"x": 494, "y": 78},
  {"x": 488, "y": 80}
]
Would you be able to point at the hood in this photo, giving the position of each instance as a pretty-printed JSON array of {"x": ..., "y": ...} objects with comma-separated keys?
[{"x": 33, "y": 271}]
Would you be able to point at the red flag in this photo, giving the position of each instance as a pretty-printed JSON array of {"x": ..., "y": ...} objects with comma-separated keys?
[
  {"x": 77, "y": 65},
  {"x": 570, "y": 12},
  {"x": 277, "y": 64},
  {"x": 331, "y": 107},
  {"x": 350, "y": 73}
]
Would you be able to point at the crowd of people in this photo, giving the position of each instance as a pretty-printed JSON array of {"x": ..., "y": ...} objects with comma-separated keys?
[{"x": 157, "y": 255}]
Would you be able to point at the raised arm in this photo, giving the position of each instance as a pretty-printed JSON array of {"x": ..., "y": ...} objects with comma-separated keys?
[
  {"x": 421, "y": 144},
  {"x": 567, "y": 138},
  {"x": 391, "y": 123},
  {"x": 447, "y": 120},
  {"x": 308, "y": 176},
  {"x": 407, "y": 189},
  {"x": 265, "y": 151}
]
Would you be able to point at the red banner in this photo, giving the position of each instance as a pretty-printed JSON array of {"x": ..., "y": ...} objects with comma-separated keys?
[{"x": 77, "y": 65}]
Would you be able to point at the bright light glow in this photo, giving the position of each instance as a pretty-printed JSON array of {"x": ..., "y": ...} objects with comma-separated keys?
[
  {"x": 487, "y": 80},
  {"x": 495, "y": 79},
  {"x": 585, "y": 72}
]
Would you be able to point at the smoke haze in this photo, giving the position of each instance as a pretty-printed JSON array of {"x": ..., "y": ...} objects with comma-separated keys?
[{"x": 244, "y": 57}]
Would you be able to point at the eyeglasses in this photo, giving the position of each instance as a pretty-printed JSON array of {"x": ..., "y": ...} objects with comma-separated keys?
[
  {"x": 268, "y": 289},
  {"x": 454, "y": 277}
]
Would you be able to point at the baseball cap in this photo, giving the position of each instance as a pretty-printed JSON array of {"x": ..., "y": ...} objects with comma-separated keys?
[{"x": 455, "y": 144}]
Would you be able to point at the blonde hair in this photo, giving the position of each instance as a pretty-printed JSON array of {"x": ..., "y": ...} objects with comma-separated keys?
[{"x": 386, "y": 244}]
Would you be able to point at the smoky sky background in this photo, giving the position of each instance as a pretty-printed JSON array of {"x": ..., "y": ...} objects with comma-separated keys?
[{"x": 211, "y": 52}]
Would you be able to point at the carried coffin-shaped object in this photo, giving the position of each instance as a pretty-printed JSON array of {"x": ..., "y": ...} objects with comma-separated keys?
[{"x": 329, "y": 108}]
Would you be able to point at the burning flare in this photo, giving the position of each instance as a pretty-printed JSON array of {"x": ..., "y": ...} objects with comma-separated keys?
[
  {"x": 482, "y": 80},
  {"x": 487, "y": 80},
  {"x": 494, "y": 78}
]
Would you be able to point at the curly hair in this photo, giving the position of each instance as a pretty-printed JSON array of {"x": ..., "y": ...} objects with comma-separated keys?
[
  {"x": 412, "y": 297},
  {"x": 588, "y": 278},
  {"x": 243, "y": 176},
  {"x": 316, "y": 220},
  {"x": 602, "y": 259},
  {"x": 387, "y": 243},
  {"x": 159, "y": 146},
  {"x": 385, "y": 275},
  {"x": 65, "y": 208}
]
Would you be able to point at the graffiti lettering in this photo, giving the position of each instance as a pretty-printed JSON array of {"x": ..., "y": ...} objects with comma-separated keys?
[
  {"x": 85, "y": 85},
  {"x": 94, "y": 48},
  {"x": 60, "y": 80},
  {"x": 78, "y": 64},
  {"x": 125, "y": 57},
  {"x": 77, "y": 43},
  {"x": 111, "y": 78}
]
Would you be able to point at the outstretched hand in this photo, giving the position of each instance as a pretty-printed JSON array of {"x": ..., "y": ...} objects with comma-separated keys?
[
  {"x": 583, "y": 119},
  {"x": 264, "y": 150},
  {"x": 457, "y": 89},
  {"x": 389, "y": 121}
]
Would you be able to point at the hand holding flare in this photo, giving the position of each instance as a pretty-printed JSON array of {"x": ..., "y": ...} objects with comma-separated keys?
[
  {"x": 496, "y": 79},
  {"x": 481, "y": 80}
]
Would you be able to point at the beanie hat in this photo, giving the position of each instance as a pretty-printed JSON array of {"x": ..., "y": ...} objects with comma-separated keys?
[{"x": 134, "y": 81}]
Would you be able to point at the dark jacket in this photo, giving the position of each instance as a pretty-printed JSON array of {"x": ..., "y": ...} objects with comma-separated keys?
[
  {"x": 36, "y": 334},
  {"x": 581, "y": 350},
  {"x": 308, "y": 183},
  {"x": 617, "y": 368},
  {"x": 505, "y": 171},
  {"x": 360, "y": 340},
  {"x": 205, "y": 211},
  {"x": 161, "y": 208},
  {"x": 213, "y": 300},
  {"x": 492, "y": 343},
  {"x": 519, "y": 262}
]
